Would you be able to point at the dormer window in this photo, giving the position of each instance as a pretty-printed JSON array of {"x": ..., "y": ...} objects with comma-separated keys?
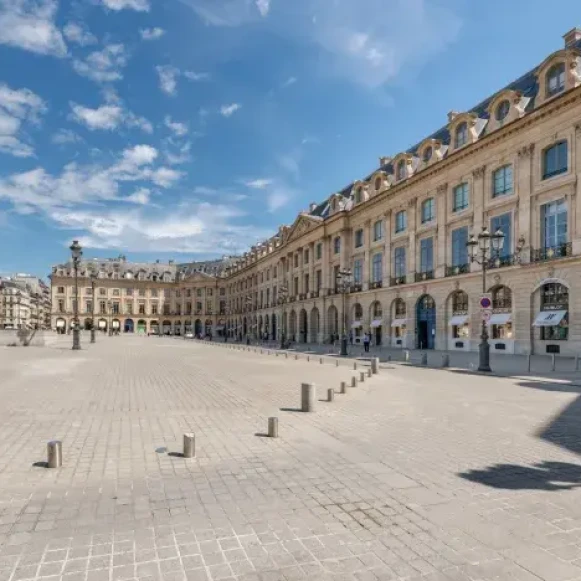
[
  {"x": 377, "y": 183},
  {"x": 555, "y": 79},
  {"x": 461, "y": 135},
  {"x": 502, "y": 110},
  {"x": 401, "y": 170},
  {"x": 427, "y": 154},
  {"x": 358, "y": 196}
]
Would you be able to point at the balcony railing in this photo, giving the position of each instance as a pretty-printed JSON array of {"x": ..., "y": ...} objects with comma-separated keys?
[
  {"x": 376, "y": 284},
  {"x": 396, "y": 280},
  {"x": 302, "y": 296},
  {"x": 502, "y": 261},
  {"x": 292, "y": 299},
  {"x": 355, "y": 288},
  {"x": 552, "y": 252},
  {"x": 457, "y": 269},
  {"x": 426, "y": 275},
  {"x": 332, "y": 291},
  {"x": 315, "y": 294}
]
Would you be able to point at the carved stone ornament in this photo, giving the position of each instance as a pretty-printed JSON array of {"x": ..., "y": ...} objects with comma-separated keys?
[
  {"x": 577, "y": 127},
  {"x": 497, "y": 279},
  {"x": 527, "y": 150},
  {"x": 424, "y": 288},
  {"x": 479, "y": 172},
  {"x": 456, "y": 285},
  {"x": 551, "y": 271}
]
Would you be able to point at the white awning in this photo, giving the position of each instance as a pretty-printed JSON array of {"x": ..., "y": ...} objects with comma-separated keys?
[
  {"x": 376, "y": 323},
  {"x": 500, "y": 319},
  {"x": 398, "y": 322},
  {"x": 102, "y": 324},
  {"x": 549, "y": 318},
  {"x": 356, "y": 324},
  {"x": 115, "y": 324},
  {"x": 60, "y": 324},
  {"x": 458, "y": 320}
]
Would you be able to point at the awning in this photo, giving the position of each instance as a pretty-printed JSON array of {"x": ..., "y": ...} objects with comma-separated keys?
[
  {"x": 549, "y": 318},
  {"x": 115, "y": 324},
  {"x": 458, "y": 320},
  {"x": 500, "y": 319},
  {"x": 398, "y": 322},
  {"x": 102, "y": 324},
  {"x": 60, "y": 324},
  {"x": 376, "y": 323},
  {"x": 356, "y": 324}
]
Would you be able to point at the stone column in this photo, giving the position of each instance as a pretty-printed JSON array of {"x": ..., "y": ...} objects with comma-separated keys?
[
  {"x": 412, "y": 240},
  {"x": 367, "y": 260},
  {"x": 441, "y": 249},
  {"x": 387, "y": 252},
  {"x": 311, "y": 266}
]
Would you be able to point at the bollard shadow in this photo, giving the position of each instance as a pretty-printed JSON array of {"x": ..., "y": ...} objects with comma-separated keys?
[
  {"x": 261, "y": 435},
  {"x": 291, "y": 410},
  {"x": 175, "y": 454},
  {"x": 550, "y": 476},
  {"x": 40, "y": 464},
  {"x": 161, "y": 450}
]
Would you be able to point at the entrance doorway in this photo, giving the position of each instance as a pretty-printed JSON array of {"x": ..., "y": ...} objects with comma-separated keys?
[{"x": 426, "y": 323}]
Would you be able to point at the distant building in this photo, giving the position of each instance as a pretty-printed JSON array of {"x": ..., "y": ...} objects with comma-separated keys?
[{"x": 24, "y": 303}]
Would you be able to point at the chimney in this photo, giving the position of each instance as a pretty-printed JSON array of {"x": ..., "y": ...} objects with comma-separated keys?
[
  {"x": 572, "y": 37},
  {"x": 384, "y": 160},
  {"x": 313, "y": 206},
  {"x": 452, "y": 115}
]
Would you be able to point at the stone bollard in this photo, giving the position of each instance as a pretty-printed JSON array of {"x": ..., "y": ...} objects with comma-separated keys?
[
  {"x": 336, "y": 363},
  {"x": 189, "y": 445},
  {"x": 286, "y": 355},
  {"x": 308, "y": 397},
  {"x": 424, "y": 360},
  {"x": 445, "y": 360},
  {"x": 362, "y": 376},
  {"x": 553, "y": 362},
  {"x": 321, "y": 361},
  {"x": 529, "y": 362},
  {"x": 273, "y": 427},
  {"x": 389, "y": 357},
  {"x": 354, "y": 365},
  {"x": 406, "y": 355},
  {"x": 375, "y": 365},
  {"x": 308, "y": 358},
  {"x": 330, "y": 394},
  {"x": 353, "y": 381},
  {"x": 369, "y": 372},
  {"x": 343, "y": 387},
  {"x": 54, "y": 451},
  {"x": 576, "y": 362}
]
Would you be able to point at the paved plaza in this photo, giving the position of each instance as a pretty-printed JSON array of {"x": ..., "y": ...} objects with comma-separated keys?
[{"x": 439, "y": 475}]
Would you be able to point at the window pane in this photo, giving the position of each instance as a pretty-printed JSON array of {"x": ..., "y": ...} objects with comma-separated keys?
[
  {"x": 427, "y": 255},
  {"x": 459, "y": 248},
  {"x": 504, "y": 223}
]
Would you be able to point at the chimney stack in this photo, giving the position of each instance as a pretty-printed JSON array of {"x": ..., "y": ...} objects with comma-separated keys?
[{"x": 572, "y": 37}]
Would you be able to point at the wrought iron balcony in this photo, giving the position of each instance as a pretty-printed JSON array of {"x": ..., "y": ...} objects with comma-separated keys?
[
  {"x": 502, "y": 261},
  {"x": 457, "y": 269},
  {"x": 302, "y": 296},
  {"x": 292, "y": 299},
  {"x": 552, "y": 252},
  {"x": 426, "y": 275},
  {"x": 376, "y": 284},
  {"x": 315, "y": 294},
  {"x": 355, "y": 288},
  {"x": 397, "y": 280},
  {"x": 332, "y": 291}
]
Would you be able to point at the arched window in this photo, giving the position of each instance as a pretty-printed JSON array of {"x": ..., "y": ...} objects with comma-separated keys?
[
  {"x": 461, "y": 135},
  {"x": 358, "y": 195},
  {"x": 459, "y": 303},
  {"x": 501, "y": 298},
  {"x": 357, "y": 312},
  {"x": 502, "y": 110},
  {"x": 459, "y": 321},
  {"x": 555, "y": 79},
  {"x": 377, "y": 183},
  {"x": 555, "y": 300},
  {"x": 376, "y": 311},
  {"x": 555, "y": 160},
  {"x": 399, "y": 309},
  {"x": 401, "y": 170},
  {"x": 427, "y": 154}
]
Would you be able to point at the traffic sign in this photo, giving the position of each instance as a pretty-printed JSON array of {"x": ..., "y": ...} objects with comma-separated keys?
[
  {"x": 486, "y": 301},
  {"x": 486, "y": 316}
]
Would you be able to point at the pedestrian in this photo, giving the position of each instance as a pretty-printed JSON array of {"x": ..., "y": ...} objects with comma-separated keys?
[{"x": 366, "y": 341}]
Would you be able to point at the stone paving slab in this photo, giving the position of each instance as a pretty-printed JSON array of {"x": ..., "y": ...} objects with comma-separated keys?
[{"x": 414, "y": 474}]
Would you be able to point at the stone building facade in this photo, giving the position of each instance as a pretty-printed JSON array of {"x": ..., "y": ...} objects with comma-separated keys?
[
  {"x": 24, "y": 303},
  {"x": 510, "y": 163}
]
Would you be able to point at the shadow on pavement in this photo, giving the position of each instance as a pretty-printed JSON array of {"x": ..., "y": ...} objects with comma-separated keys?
[
  {"x": 544, "y": 476},
  {"x": 299, "y": 410}
]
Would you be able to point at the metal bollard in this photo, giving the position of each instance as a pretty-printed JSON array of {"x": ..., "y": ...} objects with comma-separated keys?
[
  {"x": 321, "y": 361},
  {"x": 362, "y": 376},
  {"x": 354, "y": 365},
  {"x": 576, "y": 362},
  {"x": 353, "y": 381},
  {"x": 343, "y": 387},
  {"x": 389, "y": 357},
  {"x": 424, "y": 360},
  {"x": 189, "y": 445},
  {"x": 308, "y": 397},
  {"x": 406, "y": 355},
  {"x": 330, "y": 394},
  {"x": 308, "y": 358},
  {"x": 273, "y": 427},
  {"x": 553, "y": 362},
  {"x": 296, "y": 356},
  {"x": 336, "y": 363},
  {"x": 369, "y": 372},
  {"x": 529, "y": 362},
  {"x": 375, "y": 365},
  {"x": 286, "y": 355},
  {"x": 54, "y": 454},
  {"x": 445, "y": 360}
]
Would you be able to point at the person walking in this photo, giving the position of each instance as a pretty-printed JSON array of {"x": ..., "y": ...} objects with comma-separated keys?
[{"x": 366, "y": 341}]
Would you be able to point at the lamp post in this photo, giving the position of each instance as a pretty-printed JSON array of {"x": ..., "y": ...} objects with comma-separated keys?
[
  {"x": 110, "y": 310},
  {"x": 93, "y": 280},
  {"x": 482, "y": 250},
  {"x": 282, "y": 296},
  {"x": 76, "y": 253},
  {"x": 248, "y": 310},
  {"x": 343, "y": 285}
]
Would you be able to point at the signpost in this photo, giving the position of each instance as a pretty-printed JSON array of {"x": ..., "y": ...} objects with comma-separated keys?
[{"x": 486, "y": 306}]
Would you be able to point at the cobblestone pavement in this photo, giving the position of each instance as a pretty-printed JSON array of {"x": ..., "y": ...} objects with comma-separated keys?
[{"x": 415, "y": 474}]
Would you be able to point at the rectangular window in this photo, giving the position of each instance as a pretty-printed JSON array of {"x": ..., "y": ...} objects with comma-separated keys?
[
  {"x": 504, "y": 223},
  {"x": 357, "y": 271},
  {"x": 209, "y": 292},
  {"x": 399, "y": 262},
  {"x": 554, "y": 224},
  {"x": 61, "y": 306},
  {"x": 103, "y": 292},
  {"x": 116, "y": 292},
  {"x": 377, "y": 268},
  {"x": 142, "y": 308},
  {"x": 189, "y": 293},
  {"x": 178, "y": 294},
  {"x": 319, "y": 275},
  {"x": 307, "y": 281},
  {"x": 88, "y": 291},
  {"x": 296, "y": 260},
  {"x": 166, "y": 293},
  {"x": 209, "y": 307},
  {"x": 378, "y": 230},
  {"x": 306, "y": 257},
  {"x": 296, "y": 286},
  {"x": 116, "y": 308},
  {"x": 198, "y": 307},
  {"x": 141, "y": 292},
  {"x": 426, "y": 255},
  {"x": 103, "y": 307},
  {"x": 61, "y": 290},
  {"x": 359, "y": 238},
  {"x": 460, "y": 197},
  {"x": 502, "y": 181},
  {"x": 154, "y": 308},
  {"x": 128, "y": 308},
  {"x": 188, "y": 308},
  {"x": 154, "y": 293},
  {"x": 428, "y": 210},
  {"x": 555, "y": 160},
  {"x": 459, "y": 248},
  {"x": 400, "y": 221},
  {"x": 129, "y": 292},
  {"x": 89, "y": 307},
  {"x": 337, "y": 245},
  {"x": 319, "y": 251},
  {"x": 222, "y": 292},
  {"x": 199, "y": 292}
]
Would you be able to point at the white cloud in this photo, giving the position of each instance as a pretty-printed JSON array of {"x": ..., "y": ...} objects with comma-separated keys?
[
  {"x": 151, "y": 33},
  {"x": 179, "y": 156},
  {"x": 168, "y": 78},
  {"x": 193, "y": 76},
  {"x": 179, "y": 129},
  {"x": 64, "y": 136},
  {"x": 276, "y": 200},
  {"x": 75, "y": 32},
  {"x": 290, "y": 81},
  {"x": 165, "y": 176},
  {"x": 29, "y": 25},
  {"x": 140, "y": 155},
  {"x": 263, "y": 7},
  {"x": 17, "y": 107},
  {"x": 139, "y": 5},
  {"x": 104, "y": 65},
  {"x": 141, "y": 197},
  {"x": 228, "y": 110},
  {"x": 258, "y": 184},
  {"x": 106, "y": 117}
]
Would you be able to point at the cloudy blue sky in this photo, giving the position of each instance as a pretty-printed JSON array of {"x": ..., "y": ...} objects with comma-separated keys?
[{"x": 194, "y": 128}]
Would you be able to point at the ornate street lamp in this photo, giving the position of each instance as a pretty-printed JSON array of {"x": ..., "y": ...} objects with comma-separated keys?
[
  {"x": 344, "y": 280},
  {"x": 76, "y": 253},
  {"x": 93, "y": 281},
  {"x": 282, "y": 296},
  {"x": 249, "y": 325},
  {"x": 482, "y": 250}
]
